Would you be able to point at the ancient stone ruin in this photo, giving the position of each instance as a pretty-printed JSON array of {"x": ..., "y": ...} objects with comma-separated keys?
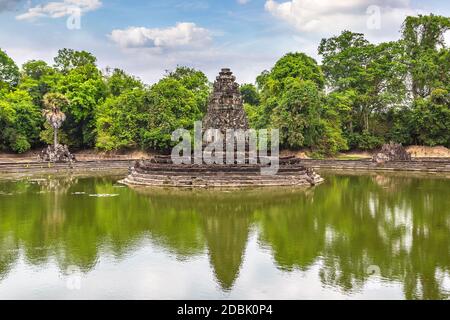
[
  {"x": 392, "y": 152},
  {"x": 225, "y": 111},
  {"x": 58, "y": 154},
  {"x": 160, "y": 171}
]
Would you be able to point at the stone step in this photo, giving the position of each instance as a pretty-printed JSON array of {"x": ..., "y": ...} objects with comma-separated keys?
[
  {"x": 213, "y": 183},
  {"x": 220, "y": 178}
]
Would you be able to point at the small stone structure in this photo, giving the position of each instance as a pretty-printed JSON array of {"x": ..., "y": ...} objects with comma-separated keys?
[
  {"x": 392, "y": 152},
  {"x": 160, "y": 171},
  {"x": 58, "y": 154},
  {"x": 225, "y": 111}
]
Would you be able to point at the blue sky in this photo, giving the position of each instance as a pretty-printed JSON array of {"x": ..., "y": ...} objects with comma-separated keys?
[{"x": 146, "y": 38}]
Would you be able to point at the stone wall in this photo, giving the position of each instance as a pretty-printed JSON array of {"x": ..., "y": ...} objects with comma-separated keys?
[
  {"x": 106, "y": 166},
  {"x": 436, "y": 165},
  {"x": 186, "y": 176},
  {"x": 429, "y": 165}
]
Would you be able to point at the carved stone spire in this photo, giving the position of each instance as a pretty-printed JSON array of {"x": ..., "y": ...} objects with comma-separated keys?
[{"x": 225, "y": 108}]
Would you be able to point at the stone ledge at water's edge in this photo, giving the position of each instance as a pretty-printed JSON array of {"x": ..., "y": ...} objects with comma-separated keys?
[
  {"x": 425, "y": 165},
  {"x": 161, "y": 172},
  {"x": 36, "y": 167}
]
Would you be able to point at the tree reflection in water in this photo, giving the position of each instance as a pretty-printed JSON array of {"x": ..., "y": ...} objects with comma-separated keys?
[{"x": 400, "y": 224}]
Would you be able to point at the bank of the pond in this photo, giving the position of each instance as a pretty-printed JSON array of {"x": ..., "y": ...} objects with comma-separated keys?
[
  {"x": 79, "y": 166},
  {"x": 426, "y": 165}
]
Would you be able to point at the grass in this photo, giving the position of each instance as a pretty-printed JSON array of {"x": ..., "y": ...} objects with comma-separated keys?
[{"x": 350, "y": 157}]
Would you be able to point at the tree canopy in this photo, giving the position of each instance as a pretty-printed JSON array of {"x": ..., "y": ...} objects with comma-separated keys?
[
  {"x": 9, "y": 72},
  {"x": 69, "y": 59},
  {"x": 360, "y": 96}
]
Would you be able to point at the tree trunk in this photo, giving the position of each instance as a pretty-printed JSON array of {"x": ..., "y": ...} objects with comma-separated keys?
[
  {"x": 55, "y": 138},
  {"x": 367, "y": 121}
]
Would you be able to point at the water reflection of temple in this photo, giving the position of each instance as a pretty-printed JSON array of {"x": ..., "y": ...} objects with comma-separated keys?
[
  {"x": 226, "y": 238},
  {"x": 224, "y": 223}
]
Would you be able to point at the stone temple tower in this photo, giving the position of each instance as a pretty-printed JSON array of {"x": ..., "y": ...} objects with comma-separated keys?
[
  {"x": 225, "y": 108},
  {"x": 225, "y": 111}
]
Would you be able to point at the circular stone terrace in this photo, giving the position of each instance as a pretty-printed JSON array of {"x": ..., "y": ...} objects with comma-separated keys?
[{"x": 161, "y": 172}]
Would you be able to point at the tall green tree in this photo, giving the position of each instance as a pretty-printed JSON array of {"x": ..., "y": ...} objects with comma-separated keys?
[
  {"x": 292, "y": 100},
  {"x": 252, "y": 101},
  {"x": 427, "y": 122},
  {"x": 171, "y": 106},
  {"x": 120, "y": 120},
  {"x": 118, "y": 82},
  {"x": 38, "y": 79},
  {"x": 425, "y": 51},
  {"x": 371, "y": 78},
  {"x": 298, "y": 66},
  {"x": 86, "y": 90},
  {"x": 427, "y": 56},
  {"x": 297, "y": 114},
  {"x": 9, "y": 72},
  {"x": 69, "y": 59},
  {"x": 272, "y": 84},
  {"x": 20, "y": 121},
  {"x": 194, "y": 81},
  {"x": 250, "y": 94}
]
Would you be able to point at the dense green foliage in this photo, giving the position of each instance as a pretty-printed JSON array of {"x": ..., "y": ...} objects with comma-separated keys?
[
  {"x": 370, "y": 78},
  {"x": 361, "y": 96},
  {"x": 135, "y": 116},
  {"x": 171, "y": 106},
  {"x": 119, "y": 119},
  {"x": 9, "y": 72},
  {"x": 68, "y": 59},
  {"x": 250, "y": 94},
  {"x": 293, "y": 100},
  {"x": 20, "y": 121}
]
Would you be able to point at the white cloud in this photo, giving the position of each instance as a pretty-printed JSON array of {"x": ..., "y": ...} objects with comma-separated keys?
[
  {"x": 60, "y": 9},
  {"x": 185, "y": 44},
  {"x": 183, "y": 34},
  {"x": 331, "y": 16},
  {"x": 243, "y": 1}
]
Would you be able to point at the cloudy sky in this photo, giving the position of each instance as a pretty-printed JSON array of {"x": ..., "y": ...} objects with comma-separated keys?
[{"x": 146, "y": 38}]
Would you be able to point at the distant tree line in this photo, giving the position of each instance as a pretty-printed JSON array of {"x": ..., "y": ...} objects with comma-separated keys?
[{"x": 361, "y": 96}]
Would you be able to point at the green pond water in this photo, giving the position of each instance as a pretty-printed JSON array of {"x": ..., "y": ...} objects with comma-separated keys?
[{"x": 353, "y": 237}]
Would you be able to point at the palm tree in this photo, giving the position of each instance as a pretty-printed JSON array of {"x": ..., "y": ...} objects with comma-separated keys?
[{"x": 53, "y": 102}]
